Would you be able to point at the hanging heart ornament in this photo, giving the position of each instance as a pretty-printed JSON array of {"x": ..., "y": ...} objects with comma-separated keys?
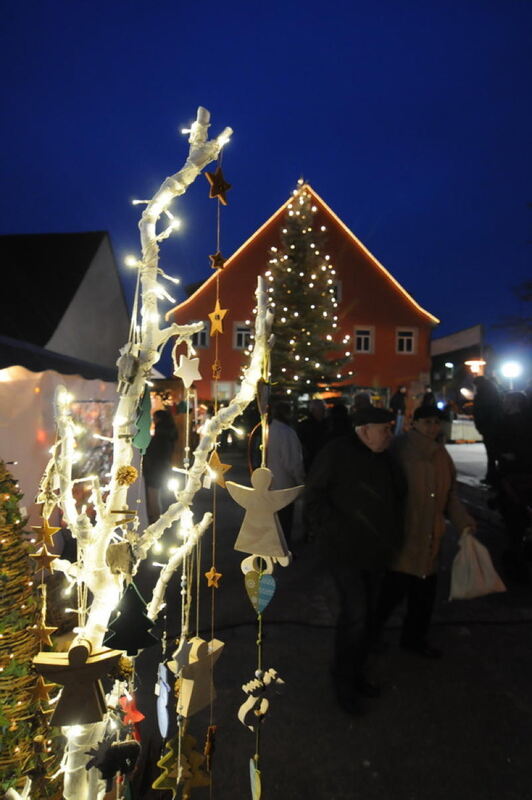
[{"x": 260, "y": 589}]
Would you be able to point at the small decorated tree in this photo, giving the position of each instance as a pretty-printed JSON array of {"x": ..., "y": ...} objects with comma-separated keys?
[
  {"x": 24, "y": 731},
  {"x": 302, "y": 285}
]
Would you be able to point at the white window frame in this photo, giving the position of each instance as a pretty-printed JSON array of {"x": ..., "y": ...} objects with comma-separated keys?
[
  {"x": 371, "y": 331},
  {"x": 200, "y": 341},
  {"x": 237, "y": 329},
  {"x": 406, "y": 329}
]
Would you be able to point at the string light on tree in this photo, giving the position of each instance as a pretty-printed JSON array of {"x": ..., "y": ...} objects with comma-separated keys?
[{"x": 302, "y": 285}]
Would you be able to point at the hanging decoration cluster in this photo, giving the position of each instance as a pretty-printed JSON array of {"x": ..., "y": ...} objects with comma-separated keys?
[
  {"x": 302, "y": 286},
  {"x": 100, "y": 728}
]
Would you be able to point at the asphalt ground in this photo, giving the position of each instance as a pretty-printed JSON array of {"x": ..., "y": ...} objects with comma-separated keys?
[{"x": 459, "y": 727}]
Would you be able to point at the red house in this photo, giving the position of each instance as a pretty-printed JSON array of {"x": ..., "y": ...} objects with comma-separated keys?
[{"x": 390, "y": 332}]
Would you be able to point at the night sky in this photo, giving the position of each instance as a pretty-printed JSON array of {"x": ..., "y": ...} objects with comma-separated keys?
[{"x": 413, "y": 120}]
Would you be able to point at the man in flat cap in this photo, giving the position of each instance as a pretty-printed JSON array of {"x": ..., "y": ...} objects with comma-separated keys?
[{"x": 354, "y": 495}]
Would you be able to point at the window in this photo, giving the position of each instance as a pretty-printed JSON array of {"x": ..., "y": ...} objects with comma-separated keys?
[
  {"x": 201, "y": 340},
  {"x": 364, "y": 339},
  {"x": 405, "y": 340},
  {"x": 242, "y": 336}
]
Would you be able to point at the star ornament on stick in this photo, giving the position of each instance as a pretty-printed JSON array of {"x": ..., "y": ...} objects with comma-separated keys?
[
  {"x": 46, "y": 533},
  {"x": 218, "y": 468},
  {"x": 217, "y": 260},
  {"x": 188, "y": 370},
  {"x": 41, "y": 692},
  {"x": 44, "y": 558},
  {"x": 216, "y": 318},
  {"x": 219, "y": 185},
  {"x": 213, "y": 577},
  {"x": 43, "y": 633}
]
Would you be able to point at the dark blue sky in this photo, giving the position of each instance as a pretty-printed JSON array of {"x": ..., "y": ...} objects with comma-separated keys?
[{"x": 413, "y": 120}]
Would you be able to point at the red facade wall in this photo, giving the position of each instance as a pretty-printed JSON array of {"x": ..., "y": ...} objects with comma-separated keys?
[{"x": 369, "y": 297}]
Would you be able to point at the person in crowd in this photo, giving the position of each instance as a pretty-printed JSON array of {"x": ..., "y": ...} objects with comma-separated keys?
[
  {"x": 431, "y": 498},
  {"x": 398, "y": 406},
  {"x": 157, "y": 464},
  {"x": 353, "y": 496},
  {"x": 312, "y": 431},
  {"x": 362, "y": 400},
  {"x": 429, "y": 398},
  {"x": 487, "y": 410},
  {"x": 513, "y": 444},
  {"x": 338, "y": 423},
  {"x": 284, "y": 456}
]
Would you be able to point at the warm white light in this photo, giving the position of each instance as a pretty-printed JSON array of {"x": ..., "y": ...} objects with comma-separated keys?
[
  {"x": 511, "y": 369},
  {"x": 130, "y": 261}
]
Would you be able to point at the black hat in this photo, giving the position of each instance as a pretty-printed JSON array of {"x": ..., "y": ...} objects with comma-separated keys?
[
  {"x": 424, "y": 412},
  {"x": 372, "y": 414}
]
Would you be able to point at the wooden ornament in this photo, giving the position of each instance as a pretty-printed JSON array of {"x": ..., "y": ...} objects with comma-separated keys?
[
  {"x": 217, "y": 260},
  {"x": 44, "y": 559},
  {"x": 162, "y": 690},
  {"x": 79, "y": 671},
  {"x": 219, "y": 185},
  {"x": 46, "y": 533},
  {"x": 210, "y": 746},
  {"x": 255, "y": 781},
  {"x": 188, "y": 370},
  {"x": 43, "y": 633},
  {"x": 216, "y": 318},
  {"x": 142, "y": 438},
  {"x": 213, "y": 577},
  {"x": 260, "y": 589},
  {"x": 113, "y": 758},
  {"x": 131, "y": 713},
  {"x": 256, "y": 706},
  {"x": 41, "y": 692},
  {"x": 261, "y": 533},
  {"x": 263, "y": 396},
  {"x": 196, "y": 684},
  {"x": 216, "y": 370},
  {"x": 181, "y": 656},
  {"x": 218, "y": 468}
]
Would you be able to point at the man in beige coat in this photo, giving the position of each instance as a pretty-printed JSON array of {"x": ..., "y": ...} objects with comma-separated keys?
[{"x": 431, "y": 499}]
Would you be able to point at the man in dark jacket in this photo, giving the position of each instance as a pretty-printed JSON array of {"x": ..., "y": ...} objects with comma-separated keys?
[{"x": 354, "y": 496}]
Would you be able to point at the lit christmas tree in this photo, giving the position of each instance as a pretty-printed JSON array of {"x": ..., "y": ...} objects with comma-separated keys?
[
  {"x": 306, "y": 358},
  {"x": 27, "y": 748}
]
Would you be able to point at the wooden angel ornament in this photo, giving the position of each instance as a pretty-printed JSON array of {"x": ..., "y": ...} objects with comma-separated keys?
[{"x": 261, "y": 533}]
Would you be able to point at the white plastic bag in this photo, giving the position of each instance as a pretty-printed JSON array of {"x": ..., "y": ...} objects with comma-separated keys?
[{"x": 473, "y": 573}]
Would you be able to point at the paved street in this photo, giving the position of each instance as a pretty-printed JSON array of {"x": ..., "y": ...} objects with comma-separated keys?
[{"x": 456, "y": 728}]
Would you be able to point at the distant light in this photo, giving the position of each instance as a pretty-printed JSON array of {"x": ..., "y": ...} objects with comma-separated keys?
[
  {"x": 440, "y": 404},
  {"x": 467, "y": 393},
  {"x": 511, "y": 369},
  {"x": 449, "y": 364},
  {"x": 476, "y": 366}
]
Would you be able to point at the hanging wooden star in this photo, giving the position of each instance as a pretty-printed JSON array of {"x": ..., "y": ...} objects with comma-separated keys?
[
  {"x": 46, "y": 532},
  {"x": 217, "y": 260},
  {"x": 196, "y": 678},
  {"x": 218, "y": 468},
  {"x": 219, "y": 185},
  {"x": 213, "y": 577},
  {"x": 41, "y": 692},
  {"x": 216, "y": 318},
  {"x": 43, "y": 633},
  {"x": 181, "y": 656},
  {"x": 44, "y": 558},
  {"x": 188, "y": 370}
]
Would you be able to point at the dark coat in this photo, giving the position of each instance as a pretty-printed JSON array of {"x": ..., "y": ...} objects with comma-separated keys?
[{"x": 354, "y": 501}]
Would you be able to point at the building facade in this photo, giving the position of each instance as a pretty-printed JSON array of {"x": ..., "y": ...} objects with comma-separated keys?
[{"x": 389, "y": 331}]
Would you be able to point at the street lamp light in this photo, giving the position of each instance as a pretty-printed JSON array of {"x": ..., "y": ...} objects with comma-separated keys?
[{"x": 511, "y": 370}]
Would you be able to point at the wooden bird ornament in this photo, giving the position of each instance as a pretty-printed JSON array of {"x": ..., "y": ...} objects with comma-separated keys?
[
  {"x": 196, "y": 690},
  {"x": 261, "y": 533}
]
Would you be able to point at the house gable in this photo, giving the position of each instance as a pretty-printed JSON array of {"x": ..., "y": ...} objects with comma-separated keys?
[{"x": 370, "y": 296}]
